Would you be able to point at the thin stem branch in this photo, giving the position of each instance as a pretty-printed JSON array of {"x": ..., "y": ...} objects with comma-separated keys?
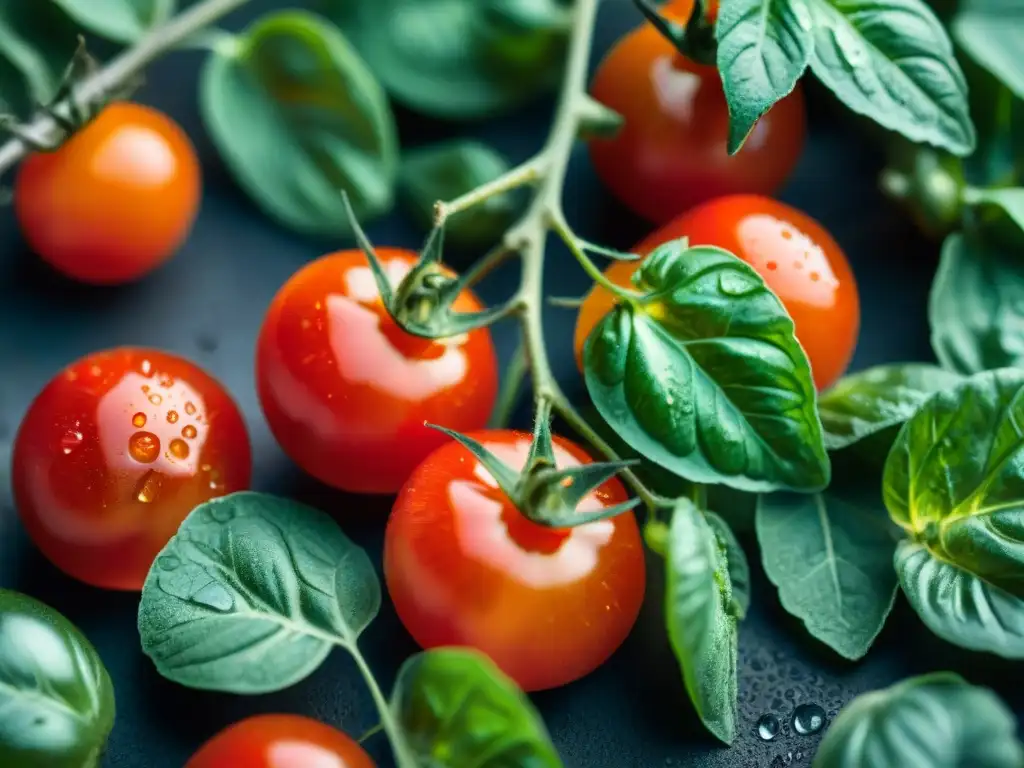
[
  {"x": 523, "y": 174},
  {"x": 575, "y": 246},
  {"x": 119, "y": 71},
  {"x": 387, "y": 722},
  {"x": 511, "y": 384}
]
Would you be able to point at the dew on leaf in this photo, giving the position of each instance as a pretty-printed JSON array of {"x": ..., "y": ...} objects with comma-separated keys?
[
  {"x": 737, "y": 284},
  {"x": 214, "y": 595}
]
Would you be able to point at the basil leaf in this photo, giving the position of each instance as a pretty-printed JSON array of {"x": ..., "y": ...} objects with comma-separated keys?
[
  {"x": 958, "y": 606},
  {"x": 252, "y": 593},
  {"x": 830, "y": 555},
  {"x": 976, "y": 305},
  {"x": 56, "y": 698},
  {"x": 446, "y": 171},
  {"x": 120, "y": 20},
  {"x": 954, "y": 479},
  {"x": 764, "y": 47},
  {"x": 700, "y": 613},
  {"x": 459, "y": 59},
  {"x": 39, "y": 40},
  {"x": 455, "y": 707},
  {"x": 891, "y": 61},
  {"x": 299, "y": 118},
  {"x": 1010, "y": 201},
  {"x": 932, "y": 721},
  {"x": 878, "y": 400},
  {"x": 739, "y": 568},
  {"x": 990, "y": 32},
  {"x": 706, "y": 377}
]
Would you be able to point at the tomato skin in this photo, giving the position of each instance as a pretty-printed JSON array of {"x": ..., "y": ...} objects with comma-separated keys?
[
  {"x": 280, "y": 741},
  {"x": 670, "y": 154},
  {"x": 113, "y": 454},
  {"x": 346, "y": 391},
  {"x": 116, "y": 201},
  {"x": 793, "y": 253},
  {"x": 464, "y": 567}
]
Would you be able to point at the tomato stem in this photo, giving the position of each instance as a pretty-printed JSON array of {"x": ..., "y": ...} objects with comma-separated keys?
[
  {"x": 44, "y": 129},
  {"x": 511, "y": 384},
  {"x": 399, "y": 747},
  {"x": 527, "y": 173}
]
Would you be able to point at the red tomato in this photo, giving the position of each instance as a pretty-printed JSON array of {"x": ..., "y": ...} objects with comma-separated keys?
[
  {"x": 115, "y": 452},
  {"x": 115, "y": 201},
  {"x": 346, "y": 391},
  {"x": 465, "y": 567},
  {"x": 794, "y": 255},
  {"x": 280, "y": 741},
  {"x": 671, "y": 153}
]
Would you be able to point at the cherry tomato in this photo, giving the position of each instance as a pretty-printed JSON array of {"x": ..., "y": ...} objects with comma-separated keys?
[
  {"x": 794, "y": 255},
  {"x": 465, "y": 567},
  {"x": 115, "y": 201},
  {"x": 115, "y": 452},
  {"x": 346, "y": 391},
  {"x": 671, "y": 152},
  {"x": 280, "y": 741}
]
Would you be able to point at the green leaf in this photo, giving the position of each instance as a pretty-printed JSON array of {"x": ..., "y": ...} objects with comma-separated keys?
[
  {"x": 706, "y": 377},
  {"x": 739, "y": 568},
  {"x": 446, "y": 171},
  {"x": 830, "y": 555},
  {"x": 1008, "y": 200},
  {"x": 459, "y": 59},
  {"x": 932, "y": 721},
  {"x": 56, "y": 698},
  {"x": 958, "y": 606},
  {"x": 455, "y": 707},
  {"x": 892, "y": 61},
  {"x": 122, "y": 20},
  {"x": 976, "y": 306},
  {"x": 39, "y": 40},
  {"x": 700, "y": 613},
  {"x": 990, "y": 32},
  {"x": 299, "y": 118},
  {"x": 252, "y": 593},
  {"x": 878, "y": 401},
  {"x": 764, "y": 47}
]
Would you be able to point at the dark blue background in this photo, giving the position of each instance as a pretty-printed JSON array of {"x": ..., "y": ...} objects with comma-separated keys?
[{"x": 207, "y": 304}]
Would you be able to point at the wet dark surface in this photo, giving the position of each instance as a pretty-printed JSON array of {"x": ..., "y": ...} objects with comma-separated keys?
[{"x": 207, "y": 304}]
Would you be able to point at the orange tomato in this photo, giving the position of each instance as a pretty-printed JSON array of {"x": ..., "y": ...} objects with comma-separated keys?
[
  {"x": 794, "y": 254},
  {"x": 115, "y": 201}
]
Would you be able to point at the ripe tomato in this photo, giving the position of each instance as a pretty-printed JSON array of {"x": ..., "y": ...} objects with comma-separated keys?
[
  {"x": 794, "y": 255},
  {"x": 115, "y": 201},
  {"x": 115, "y": 452},
  {"x": 346, "y": 391},
  {"x": 465, "y": 567},
  {"x": 671, "y": 153},
  {"x": 280, "y": 741}
]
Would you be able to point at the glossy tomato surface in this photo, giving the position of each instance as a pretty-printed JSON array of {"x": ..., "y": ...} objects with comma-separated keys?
[
  {"x": 280, "y": 741},
  {"x": 115, "y": 452},
  {"x": 798, "y": 259},
  {"x": 346, "y": 391},
  {"x": 671, "y": 153},
  {"x": 115, "y": 201},
  {"x": 464, "y": 567}
]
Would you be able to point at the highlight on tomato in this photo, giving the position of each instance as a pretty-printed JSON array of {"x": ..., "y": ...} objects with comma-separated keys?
[
  {"x": 797, "y": 258},
  {"x": 670, "y": 154},
  {"x": 465, "y": 567},
  {"x": 113, "y": 454},
  {"x": 346, "y": 391},
  {"x": 280, "y": 741},
  {"x": 115, "y": 201}
]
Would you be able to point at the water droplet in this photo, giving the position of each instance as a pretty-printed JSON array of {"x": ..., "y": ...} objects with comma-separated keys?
[
  {"x": 768, "y": 727},
  {"x": 166, "y": 381},
  {"x": 71, "y": 440},
  {"x": 808, "y": 718},
  {"x": 145, "y": 388},
  {"x": 214, "y": 595},
  {"x": 149, "y": 487},
  {"x": 772, "y": 265},
  {"x": 144, "y": 447},
  {"x": 815, "y": 277},
  {"x": 179, "y": 448},
  {"x": 168, "y": 562},
  {"x": 190, "y": 409},
  {"x": 786, "y": 234},
  {"x": 155, "y": 399},
  {"x": 139, "y": 420},
  {"x": 223, "y": 512},
  {"x": 737, "y": 284},
  {"x": 147, "y": 368},
  {"x": 189, "y": 431},
  {"x": 172, "y": 416}
]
